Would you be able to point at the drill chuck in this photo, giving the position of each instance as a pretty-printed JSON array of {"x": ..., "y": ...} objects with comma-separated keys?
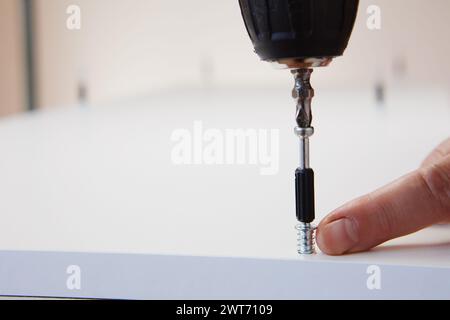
[{"x": 299, "y": 29}]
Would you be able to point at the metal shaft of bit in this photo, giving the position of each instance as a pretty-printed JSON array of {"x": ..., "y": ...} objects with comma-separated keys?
[{"x": 304, "y": 93}]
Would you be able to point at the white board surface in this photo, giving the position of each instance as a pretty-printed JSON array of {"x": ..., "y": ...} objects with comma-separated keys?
[{"x": 101, "y": 180}]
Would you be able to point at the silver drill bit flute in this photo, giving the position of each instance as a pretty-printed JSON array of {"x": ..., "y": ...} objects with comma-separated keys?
[{"x": 303, "y": 93}]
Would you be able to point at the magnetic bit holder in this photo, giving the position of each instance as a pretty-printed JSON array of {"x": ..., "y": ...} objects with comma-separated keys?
[{"x": 304, "y": 175}]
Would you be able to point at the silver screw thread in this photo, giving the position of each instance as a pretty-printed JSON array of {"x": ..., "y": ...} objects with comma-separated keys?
[{"x": 306, "y": 238}]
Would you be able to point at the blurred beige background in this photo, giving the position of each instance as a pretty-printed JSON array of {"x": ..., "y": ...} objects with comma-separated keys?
[
  {"x": 139, "y": 47},
  {"x": 12, "y": 73}
]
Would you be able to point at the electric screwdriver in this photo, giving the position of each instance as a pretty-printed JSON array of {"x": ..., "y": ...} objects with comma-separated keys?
[{"x": 300, "y": 35}]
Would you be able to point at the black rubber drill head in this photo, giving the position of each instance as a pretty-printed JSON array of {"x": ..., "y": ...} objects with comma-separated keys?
[{"x": 282, "y": 29}]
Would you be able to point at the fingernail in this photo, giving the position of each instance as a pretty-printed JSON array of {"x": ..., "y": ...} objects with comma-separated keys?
[{"x": 338, "y": 237}]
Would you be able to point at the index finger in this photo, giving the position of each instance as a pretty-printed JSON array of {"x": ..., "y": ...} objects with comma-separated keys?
[{"x": 407, "y": 205}]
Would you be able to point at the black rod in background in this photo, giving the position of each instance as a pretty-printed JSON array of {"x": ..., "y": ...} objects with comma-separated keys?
[{"x": 29, "y": 54}]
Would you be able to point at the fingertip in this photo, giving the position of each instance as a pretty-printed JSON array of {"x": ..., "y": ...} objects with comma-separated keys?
[{"x": 338, "y": 236}]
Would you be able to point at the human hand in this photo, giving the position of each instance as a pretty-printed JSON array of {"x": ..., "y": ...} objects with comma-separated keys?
[{"x": 413, "y": 202}]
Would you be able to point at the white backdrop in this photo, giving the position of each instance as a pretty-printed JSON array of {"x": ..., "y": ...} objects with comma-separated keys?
[{"x": 134, "y": 47}]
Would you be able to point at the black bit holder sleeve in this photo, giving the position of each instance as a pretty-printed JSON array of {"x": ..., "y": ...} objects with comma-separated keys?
[{"x": 304, "y": 194}]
